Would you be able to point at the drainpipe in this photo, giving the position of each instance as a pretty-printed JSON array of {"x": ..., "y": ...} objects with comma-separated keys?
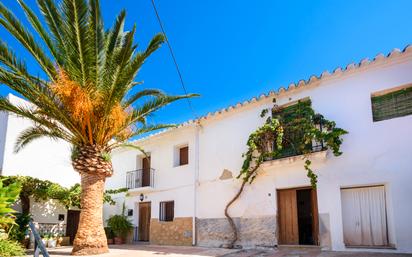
[{"x": 195, "y": 182}]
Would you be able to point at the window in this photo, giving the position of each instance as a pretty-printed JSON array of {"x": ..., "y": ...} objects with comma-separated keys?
[
  {"x": 183, "y": 155},
  {"x": 395, "y": 103},
  {"x": 167, "y": 211}
]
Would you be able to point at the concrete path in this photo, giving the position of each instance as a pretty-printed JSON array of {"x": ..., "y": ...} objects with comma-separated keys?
[{"x": 181, "y": 251}]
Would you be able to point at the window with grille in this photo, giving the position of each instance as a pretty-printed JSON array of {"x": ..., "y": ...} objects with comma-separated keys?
[
  {"x": 167, "y": 211},
  {"x": 388, "y": 105}
]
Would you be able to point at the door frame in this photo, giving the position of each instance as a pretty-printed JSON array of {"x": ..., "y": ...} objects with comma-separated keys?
[
  {"x": 140, "y": 221},
  {"x": 315, "y": 212}
]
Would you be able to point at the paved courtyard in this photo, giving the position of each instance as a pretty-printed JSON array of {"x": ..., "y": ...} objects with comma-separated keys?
[{"x": 180, "y": 251}]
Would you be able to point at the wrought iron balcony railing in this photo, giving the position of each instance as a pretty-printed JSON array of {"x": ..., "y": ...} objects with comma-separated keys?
[
  {"x": 140, "y": 178},
  {"x": 291, "y": 151}
]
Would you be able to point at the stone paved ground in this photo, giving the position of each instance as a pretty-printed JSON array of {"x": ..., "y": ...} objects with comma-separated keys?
[{"x": 181, "y": 251}]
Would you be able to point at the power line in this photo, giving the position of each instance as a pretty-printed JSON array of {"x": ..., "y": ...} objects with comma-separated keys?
[{"x": 173, "y": 57}]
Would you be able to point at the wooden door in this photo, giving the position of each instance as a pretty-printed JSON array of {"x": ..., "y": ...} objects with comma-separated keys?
[
  {"x": 72, "y": 224},
  {"x": 146, "y": 171},
  {"x": 315, "y": 216},
  {"x": 288, "y": 217},
  {"x": 144, "y": 221}
]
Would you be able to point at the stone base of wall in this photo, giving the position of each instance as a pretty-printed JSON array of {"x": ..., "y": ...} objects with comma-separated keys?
[
  {"x": 253, "y": 232},
  {"x": 176, "y": 232}
]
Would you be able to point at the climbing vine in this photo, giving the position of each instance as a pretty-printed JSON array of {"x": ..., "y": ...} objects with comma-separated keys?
[
  {"x": 288, "y": 131},
  {"x": 43, "y": 190}
]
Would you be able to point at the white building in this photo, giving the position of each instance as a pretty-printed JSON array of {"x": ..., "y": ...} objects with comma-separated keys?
[
  {"x": 45, "y": 159},
  {"x": 362, "y": 197}
]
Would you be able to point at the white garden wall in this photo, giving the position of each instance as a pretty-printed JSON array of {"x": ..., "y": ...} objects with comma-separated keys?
[{"x": 44, "y": 158}]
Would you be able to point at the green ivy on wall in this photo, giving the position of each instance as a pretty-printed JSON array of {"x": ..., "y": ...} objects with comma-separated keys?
[
  {"x": 43, "y": 190},
  {"x": 288, "y": 131}
]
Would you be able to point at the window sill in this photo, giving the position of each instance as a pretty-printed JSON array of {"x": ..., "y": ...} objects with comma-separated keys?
[
  {"x": 164, "y": 221},
  {"x": 178, "y": 166},
  {"x": 320, "y": 155}
]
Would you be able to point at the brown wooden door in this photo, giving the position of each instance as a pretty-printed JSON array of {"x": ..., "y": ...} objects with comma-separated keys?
[
  {"x": 144, "y": 221},
  {"x": 288, "y": 217},
  {"x": 146, "y": 171},
  {"x": 315, "y": 228},
  {"x": 72, "y": 224}
]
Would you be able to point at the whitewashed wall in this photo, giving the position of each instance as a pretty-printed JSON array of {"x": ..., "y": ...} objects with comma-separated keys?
[
  {"x": 171, "y": 182},
  {"x": 44, "y": 158},
  {"x": 374, "y": 153}
]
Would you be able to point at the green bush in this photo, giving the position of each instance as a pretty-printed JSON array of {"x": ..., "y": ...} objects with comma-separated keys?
[
  {"x": 120, "y": 225},
  {"x": 21, "y": 229},
  {"x": 109, "y": 233},
  {"x": 10, "y": 248}
]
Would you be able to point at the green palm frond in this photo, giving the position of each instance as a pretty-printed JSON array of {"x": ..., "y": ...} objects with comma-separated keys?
[
  {"x": 78, "y": 55},
  {"x": 9, "y": 59},
  {"x": 76, "y": 35},
  {"x": 129, "y": 145},
  {"x": 151, "y": 128},
  {"x": 96, "y": 42},
  {"x": 140, "y": 94},
  {"x": 54, "y": 22},
  {"x": 33, "y": 133},
  {"x": 35, "y": 22},
  {"x": 10, "y": 22},
  {"x": 155, "y": 104}
]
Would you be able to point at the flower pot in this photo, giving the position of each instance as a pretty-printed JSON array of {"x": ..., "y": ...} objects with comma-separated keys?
[
  {"x": 59, "y": 241},
  {"x": 52, "y": 243},
  {"x": 65, "y": 240},
  {"x": 44, "y": 241},
  {"x": 26, "y": 243},
  {"x": 110, "y": 241},
  {"x": 118, "y": 241}
]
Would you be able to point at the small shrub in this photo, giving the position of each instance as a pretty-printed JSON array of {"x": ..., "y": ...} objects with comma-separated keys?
[
  {"x": 120, "y": 225},
  {"x": 21, "y": 229},
  {"x": 109, "y": 233},
  {"x": 10, "y": 248}
]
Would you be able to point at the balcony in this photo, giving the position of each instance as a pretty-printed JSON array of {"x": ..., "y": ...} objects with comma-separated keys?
[
  {"x": 316, "y": 151},
  {"x": 140, "y": 179}
]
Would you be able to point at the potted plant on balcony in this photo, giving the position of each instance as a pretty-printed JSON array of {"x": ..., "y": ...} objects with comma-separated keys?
[{"x": 120, "y": 226}]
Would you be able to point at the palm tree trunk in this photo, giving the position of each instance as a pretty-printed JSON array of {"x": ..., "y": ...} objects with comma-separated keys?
[{"x": 91, "y": 238}]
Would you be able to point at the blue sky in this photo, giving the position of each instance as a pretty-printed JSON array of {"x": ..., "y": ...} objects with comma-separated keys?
[{"x": 232, "y": 50}]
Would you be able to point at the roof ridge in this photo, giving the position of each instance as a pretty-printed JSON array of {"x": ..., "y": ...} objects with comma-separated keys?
[{"x": 396, "y": 52}]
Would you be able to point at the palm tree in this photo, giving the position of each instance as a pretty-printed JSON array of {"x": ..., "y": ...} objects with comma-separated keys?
[{"x": 87, "y": 96}]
